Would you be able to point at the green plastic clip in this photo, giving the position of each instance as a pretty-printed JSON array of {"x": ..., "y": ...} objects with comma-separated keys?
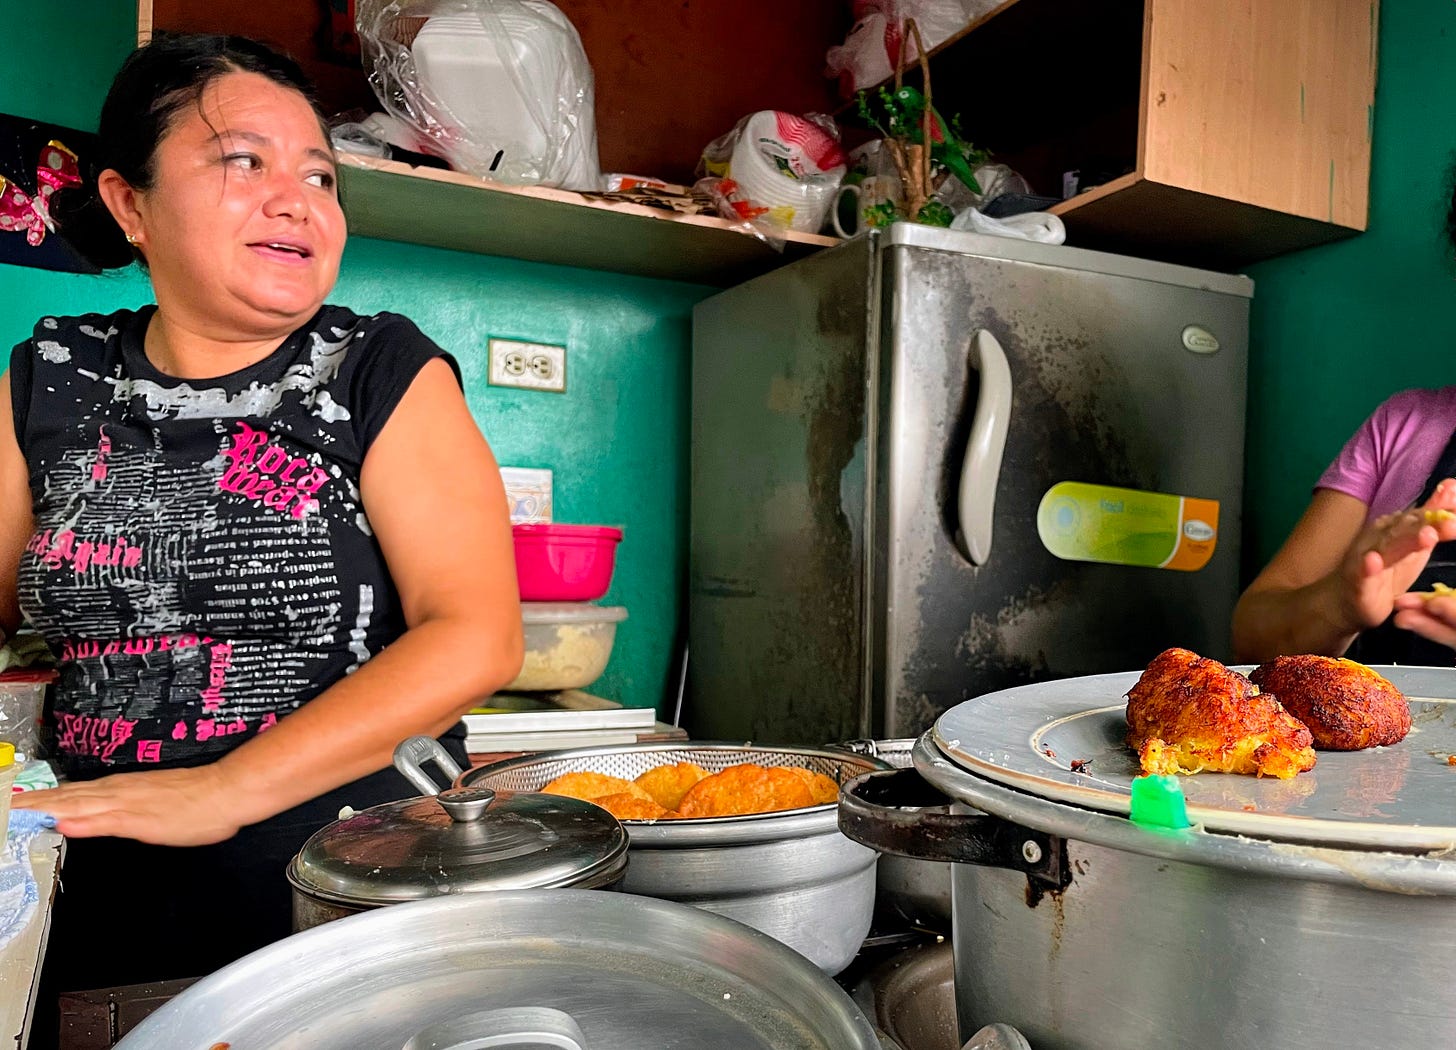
[{"x": 1157, "y": 801}]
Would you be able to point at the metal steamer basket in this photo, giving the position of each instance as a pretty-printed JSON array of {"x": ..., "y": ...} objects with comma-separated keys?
[
  {"x": 789, "y": 874},
  {"x": 1303, "y": 914}
]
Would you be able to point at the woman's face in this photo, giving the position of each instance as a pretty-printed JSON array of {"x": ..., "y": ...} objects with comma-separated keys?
[{"x": 242, "y": 229}]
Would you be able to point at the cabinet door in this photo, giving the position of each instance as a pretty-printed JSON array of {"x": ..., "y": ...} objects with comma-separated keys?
[{"x": 1266, "y": 102}]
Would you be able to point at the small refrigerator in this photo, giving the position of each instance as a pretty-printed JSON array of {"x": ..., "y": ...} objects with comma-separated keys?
[{"x": 929, "y": 464}]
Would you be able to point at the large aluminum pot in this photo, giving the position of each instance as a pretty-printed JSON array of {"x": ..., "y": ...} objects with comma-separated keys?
[
  {"x": 571, "y": 969},
  {"x": 918, "y": 891},
  {"x": 1089, "y": 932},
  {"x": 790, "y": 874}
]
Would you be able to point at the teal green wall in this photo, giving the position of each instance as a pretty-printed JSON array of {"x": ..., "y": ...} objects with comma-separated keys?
[
  {"x": 1337, "y": 329},
  {"x": 616, "y": 440}
]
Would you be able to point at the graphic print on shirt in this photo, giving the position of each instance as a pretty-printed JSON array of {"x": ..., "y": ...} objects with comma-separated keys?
[{"x": 201, "y": 562}]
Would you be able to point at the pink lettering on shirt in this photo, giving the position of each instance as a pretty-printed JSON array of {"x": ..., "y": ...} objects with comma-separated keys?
[{"x": 254, "y": 465}]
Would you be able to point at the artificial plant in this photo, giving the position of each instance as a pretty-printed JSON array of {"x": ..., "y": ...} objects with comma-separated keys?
[{"x": 908, "y": 120}]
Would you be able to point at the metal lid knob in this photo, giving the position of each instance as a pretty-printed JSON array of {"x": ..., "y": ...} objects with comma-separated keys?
[{"x": 465, "y": 804}]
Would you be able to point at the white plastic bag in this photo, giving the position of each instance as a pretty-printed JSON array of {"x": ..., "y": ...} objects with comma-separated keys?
[
  {"x": 499, "y": 88},
  {"x": 868, "y": 55}
]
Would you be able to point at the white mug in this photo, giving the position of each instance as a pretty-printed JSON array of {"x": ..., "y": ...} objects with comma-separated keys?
[{"x": 868, "y": 193}]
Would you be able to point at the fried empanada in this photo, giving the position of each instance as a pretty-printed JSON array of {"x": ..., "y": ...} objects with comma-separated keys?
[
  {"x": 592, "y": 786},
  {"x": 668, "y": 784},
  {"x": 629, "y": 807},
  {"x": 1187, "y": 714},
  {"x": 745, "y": 789},
  {"x": 823, "y": 788},
  {"x": 1346, "y": 706}
]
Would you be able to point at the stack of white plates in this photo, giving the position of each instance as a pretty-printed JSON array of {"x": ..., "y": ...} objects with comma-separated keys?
[{"x": 788, "y": 165}]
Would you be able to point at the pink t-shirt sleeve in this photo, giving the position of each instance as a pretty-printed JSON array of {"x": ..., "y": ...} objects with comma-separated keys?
[
  {"x": 1356, "y": 470},
  {"x": 1386, "y": 463}
]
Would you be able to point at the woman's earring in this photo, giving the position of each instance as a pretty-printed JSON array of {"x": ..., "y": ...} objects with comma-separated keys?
[{"x": 132, "y": 239}]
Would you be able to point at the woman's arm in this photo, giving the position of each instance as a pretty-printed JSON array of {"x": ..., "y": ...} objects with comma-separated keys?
[
  {"x": 1335, "y": 576},
  {"x": 15, "y": 522},
  {"x": 446, "y": 538}
]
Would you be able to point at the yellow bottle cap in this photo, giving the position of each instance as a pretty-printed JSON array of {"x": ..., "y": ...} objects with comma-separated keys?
[{"x": 7, "y": 755}]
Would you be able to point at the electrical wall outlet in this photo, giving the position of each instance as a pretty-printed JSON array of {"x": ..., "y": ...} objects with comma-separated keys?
[{"x": 528, "y": 366}]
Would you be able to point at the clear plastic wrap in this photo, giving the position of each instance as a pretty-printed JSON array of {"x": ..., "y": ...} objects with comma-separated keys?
[
  {"x": 775, "y": 171},
  {"x": 499, "y": 88}
]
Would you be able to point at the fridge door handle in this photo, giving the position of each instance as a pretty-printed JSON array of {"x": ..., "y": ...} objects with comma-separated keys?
[{"x": 981, "y": 470}]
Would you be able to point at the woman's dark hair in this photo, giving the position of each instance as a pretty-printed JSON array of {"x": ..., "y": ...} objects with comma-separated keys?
[{"x": 152, "y": 87}]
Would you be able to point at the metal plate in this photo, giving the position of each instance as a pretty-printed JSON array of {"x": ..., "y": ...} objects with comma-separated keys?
[{"x": 1399, "y": 797}]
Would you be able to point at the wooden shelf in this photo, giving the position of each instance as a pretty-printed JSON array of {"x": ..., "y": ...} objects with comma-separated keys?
[
  {"x": 445, "y": 209},
  {"x": 1132, "y": 215}
]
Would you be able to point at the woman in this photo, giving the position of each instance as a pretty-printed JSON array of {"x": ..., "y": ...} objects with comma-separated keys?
[
  {"x": 1357, "y": 572},
  {"x": 263, "y": 535}
]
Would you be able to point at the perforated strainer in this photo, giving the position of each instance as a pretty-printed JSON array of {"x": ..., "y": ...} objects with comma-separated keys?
[
  {"x": 531, "y": 773},
  {"x": 791, "y": 873}
]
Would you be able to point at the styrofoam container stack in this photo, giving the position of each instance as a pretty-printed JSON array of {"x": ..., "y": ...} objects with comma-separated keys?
[{"x": 519, "y": 92}]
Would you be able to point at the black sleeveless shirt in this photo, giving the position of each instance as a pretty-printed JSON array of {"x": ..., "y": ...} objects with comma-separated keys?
[{"x": 201, "y": 561}]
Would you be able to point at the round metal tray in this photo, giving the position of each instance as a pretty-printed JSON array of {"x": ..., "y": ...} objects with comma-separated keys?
[{"x": 1063, "y": 741}]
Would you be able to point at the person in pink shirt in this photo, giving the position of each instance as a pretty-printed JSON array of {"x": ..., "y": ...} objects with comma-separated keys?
[{"x": 1356, "y": 573}]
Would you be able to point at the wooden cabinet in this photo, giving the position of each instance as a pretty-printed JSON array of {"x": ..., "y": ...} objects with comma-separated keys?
[
  {"x": 1212, "y": 132},
  {"x": 1215, "y": 132}
]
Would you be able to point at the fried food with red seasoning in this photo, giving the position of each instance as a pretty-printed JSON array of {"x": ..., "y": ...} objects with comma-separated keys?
[
  {"x": 668, "y": 784},
  {"x": 824, "y": 789},
  {"x": 1189, "y": 714},
  {"x": 630, "y": 807},
  {"x": 591, "y": 786},
  {"x": 746, "y": 788},
  {"x": 1346, "y": 706}
]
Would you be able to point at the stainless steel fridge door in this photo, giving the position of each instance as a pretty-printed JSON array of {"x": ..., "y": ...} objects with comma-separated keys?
[
  {"x": 777, "y": 559},
  {"x": 1114, "y": 380}
]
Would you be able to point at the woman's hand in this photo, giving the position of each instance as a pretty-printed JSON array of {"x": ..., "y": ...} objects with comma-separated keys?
[
  {"x": 1388, "y": 556},
  {"x": 1336, "y": 576},
  {"x": 166, "y": 807},
  {"x": 1433, "y": 618}
]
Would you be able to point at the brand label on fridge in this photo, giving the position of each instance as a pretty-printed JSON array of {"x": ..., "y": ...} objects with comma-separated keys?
[{"x": 1099, "y": 523}]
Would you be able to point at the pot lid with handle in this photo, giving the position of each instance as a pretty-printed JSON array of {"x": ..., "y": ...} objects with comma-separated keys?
[
  {"x": 605, "y": 971},
  {"x": 462, "y": 840},
  {"x": 1064, "y": 741}
]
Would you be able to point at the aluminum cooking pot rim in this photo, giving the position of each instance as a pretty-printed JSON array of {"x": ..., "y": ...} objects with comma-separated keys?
[
  {"x": 1432, "y": 874},
  {"x": 696, "y": 832},
  {"x": 395, "y": 938}
]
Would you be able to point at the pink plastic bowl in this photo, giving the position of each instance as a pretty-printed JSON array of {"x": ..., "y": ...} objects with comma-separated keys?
[{"x": 565, "y": 563}]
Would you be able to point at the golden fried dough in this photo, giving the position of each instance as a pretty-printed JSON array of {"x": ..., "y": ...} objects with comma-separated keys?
[
  {"x": 629, "y": 807},
  {"x": 1346, "y": 706},
  {"x": 592, "y": 786},
  {"x": 744, "y": 789},
  {"x": 1187, "y": 714},
  {"x": 668, "y": 784},
  {"x": 823, "y": 788}
]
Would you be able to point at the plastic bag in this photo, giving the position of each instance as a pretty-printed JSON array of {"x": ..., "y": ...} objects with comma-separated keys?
[
  {"x": 868, "y": 55},
  {"x": 499, "y": 88},
  {"x": 775, "y": 171}
]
